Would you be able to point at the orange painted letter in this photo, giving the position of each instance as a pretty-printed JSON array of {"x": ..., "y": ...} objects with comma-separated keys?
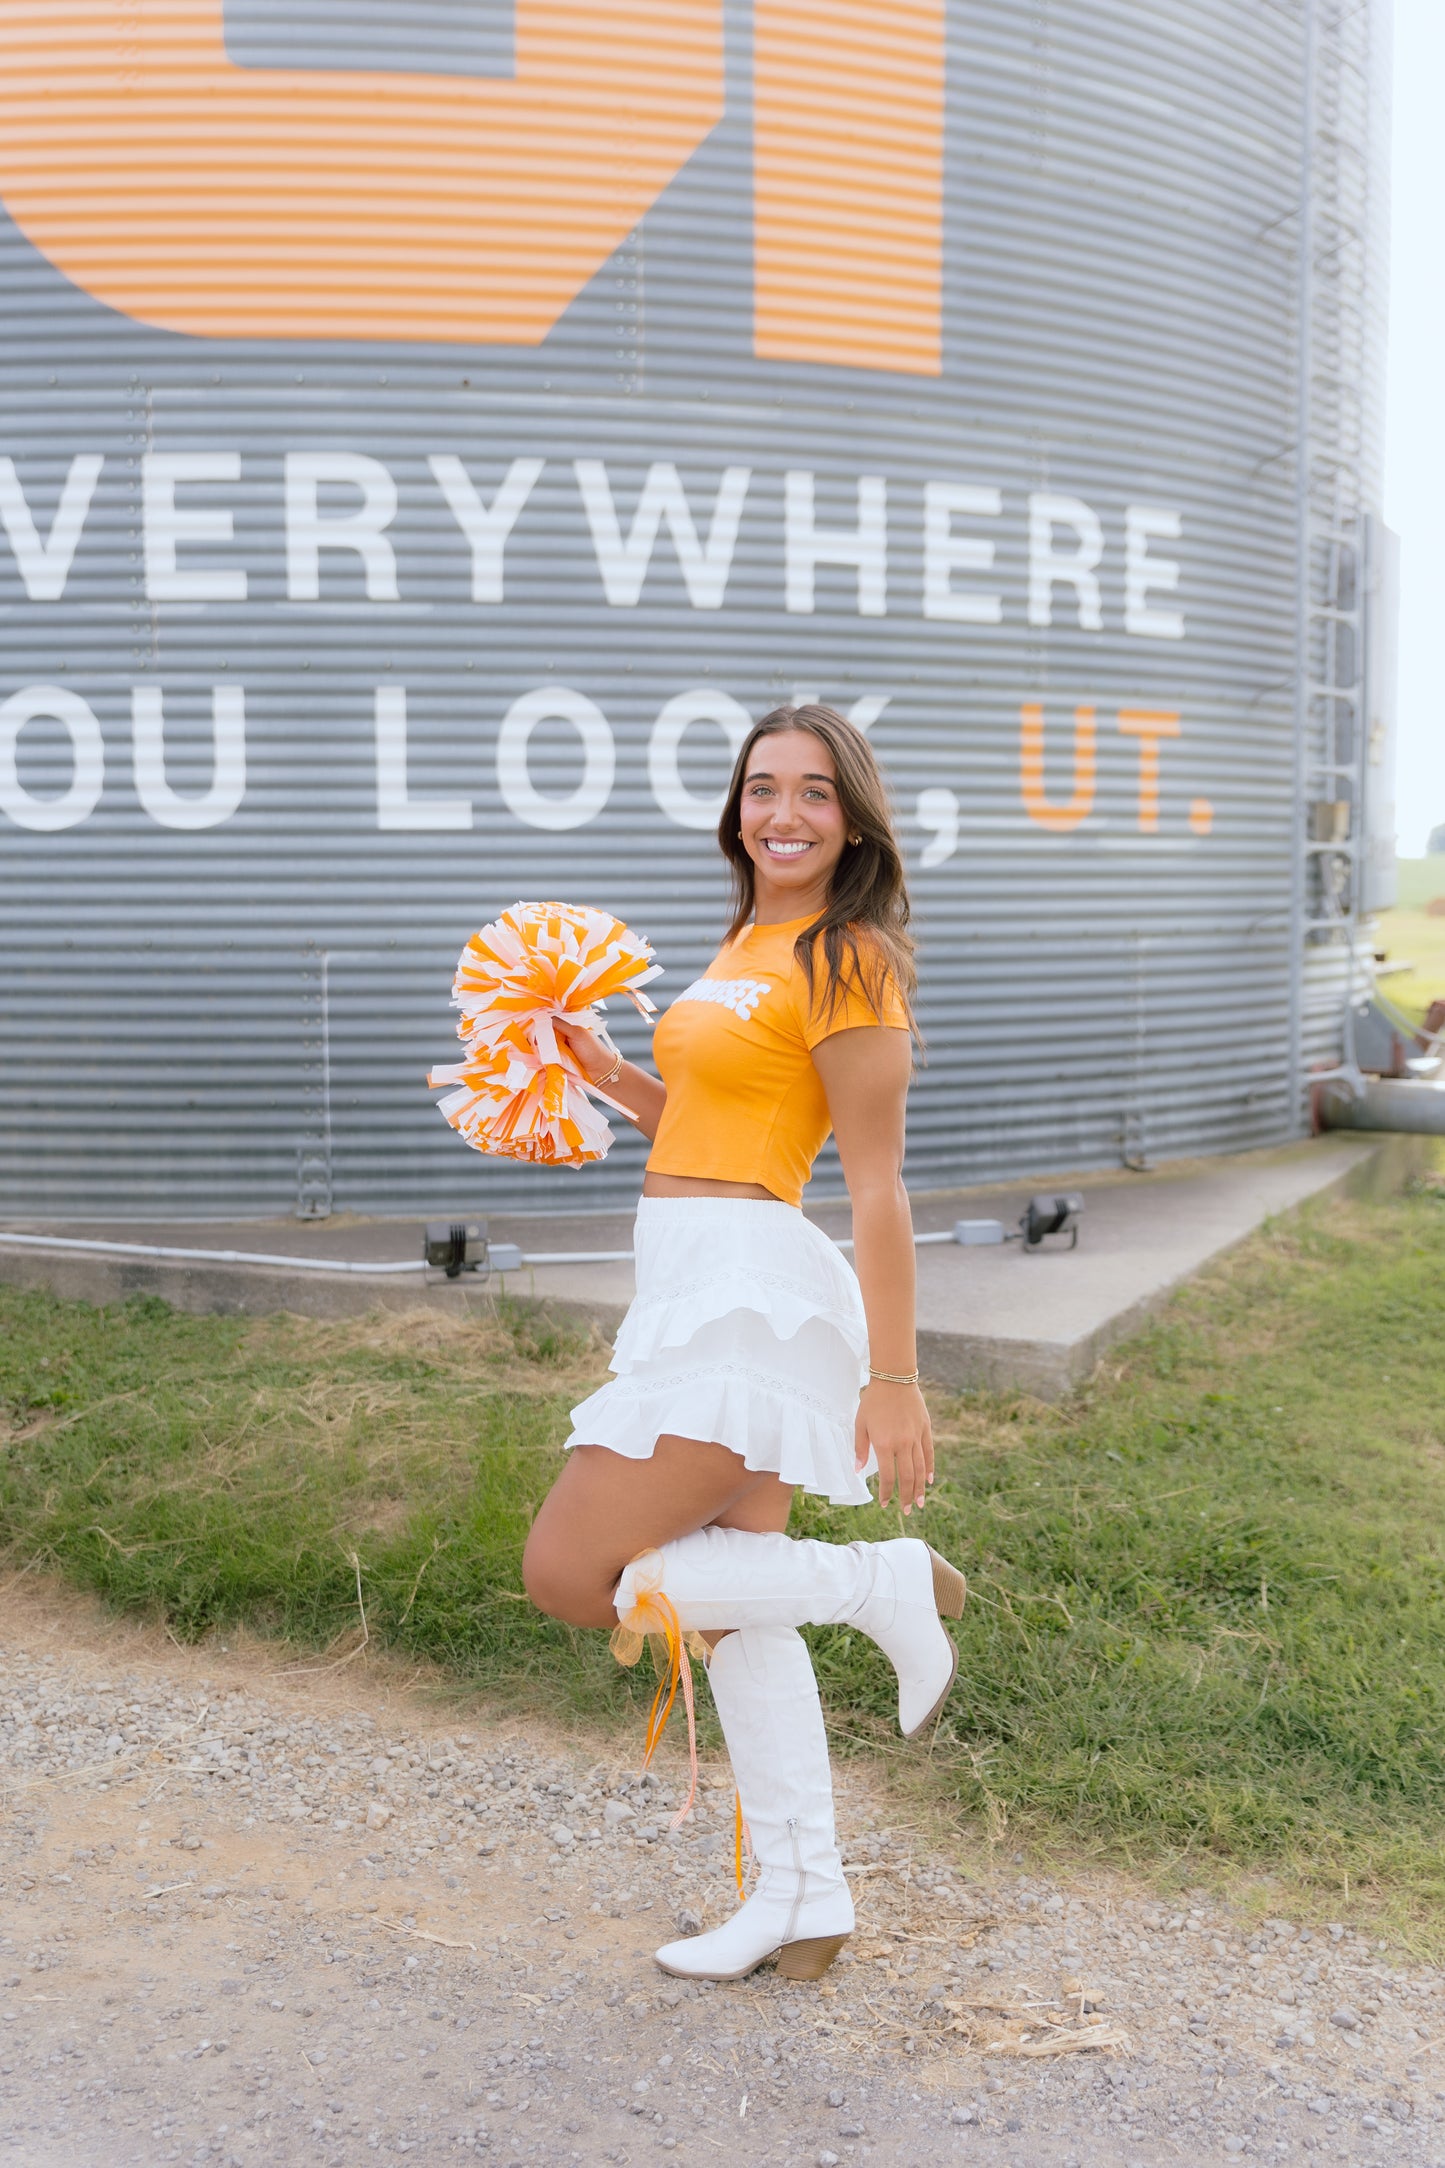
[
  {"x": 1148, "y": 727},
  {"x": 1060, "y": 818},
  {"x": 278, "y": 203},
  {"x": 848, "y": 166}
]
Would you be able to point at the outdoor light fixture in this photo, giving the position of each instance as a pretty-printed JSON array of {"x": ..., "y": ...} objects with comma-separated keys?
[
  {"x": 1043, "y": 1217},
  {"x": 1047, "y": 1216},
  {"x": 455, "y": 1247}
]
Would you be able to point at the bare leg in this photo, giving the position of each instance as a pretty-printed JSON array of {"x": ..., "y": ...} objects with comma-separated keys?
[
  {"x": 604, "y": 1508},
  {"x": 763, "y": 1510},
  {"x": 601, "y": 1512}
]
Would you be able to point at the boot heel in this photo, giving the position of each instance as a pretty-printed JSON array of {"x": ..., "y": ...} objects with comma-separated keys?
[
  {"x": 810, "y": 1959},
  {"x": 950, "y": 1589}
]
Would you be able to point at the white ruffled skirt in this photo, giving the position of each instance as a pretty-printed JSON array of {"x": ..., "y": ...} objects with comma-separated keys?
[{"x": 747, "y": 1330}]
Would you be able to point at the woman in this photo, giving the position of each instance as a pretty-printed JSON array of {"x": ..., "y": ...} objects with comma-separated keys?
[{"x": 739, "y": 1365}]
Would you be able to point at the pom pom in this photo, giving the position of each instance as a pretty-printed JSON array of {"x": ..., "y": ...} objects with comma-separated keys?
[{"x": 519, "y": 1093}]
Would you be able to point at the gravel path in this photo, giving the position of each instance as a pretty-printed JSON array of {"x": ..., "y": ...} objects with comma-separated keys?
[{"x": 270, "y": 1917}]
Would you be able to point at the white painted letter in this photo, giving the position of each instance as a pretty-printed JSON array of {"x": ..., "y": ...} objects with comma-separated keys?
[
  {"x": 395, "y": 806},
  {"x": 938, "y": 818},
  {"x": 945, "y": 553},
  {"x": 53, "y": 703},
  {"x": 486, "y": 526},
  {"x": 705, "y": 705},
  {"x": 599, "y": 758},
  {"x": 308, "y": 532},
  {"x": 1141, "y": 571},
  {"x": 228, "y": 775},
  {"x": 165, "y": 526},
  {"x": 1047, "y": 570},
  {"x": 865, "y": 545},
  {"x": 45, "y": 566},
  {"x": 623, "y": 565}
]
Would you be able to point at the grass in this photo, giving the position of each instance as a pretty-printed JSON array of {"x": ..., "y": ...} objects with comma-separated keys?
[
  {"x": 1411, "y": 934},
  {"x": 221, "y": 1471},
  {"x": 1208, "y": 1621}
]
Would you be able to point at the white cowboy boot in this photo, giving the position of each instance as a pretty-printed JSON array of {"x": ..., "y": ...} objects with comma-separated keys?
[
  {"x": 894, "y": 1592},
  {"x": 767, "y": 1697}
]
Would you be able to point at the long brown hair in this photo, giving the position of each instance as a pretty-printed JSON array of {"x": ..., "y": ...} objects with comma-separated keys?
[{"x": 864, "y": 923}]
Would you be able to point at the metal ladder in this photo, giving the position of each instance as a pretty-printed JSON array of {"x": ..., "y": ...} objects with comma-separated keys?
[{"x": 1333, "y": 500}]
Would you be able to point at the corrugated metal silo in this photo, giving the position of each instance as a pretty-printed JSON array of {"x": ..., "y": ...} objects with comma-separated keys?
[{"x": 430, "y": 431}]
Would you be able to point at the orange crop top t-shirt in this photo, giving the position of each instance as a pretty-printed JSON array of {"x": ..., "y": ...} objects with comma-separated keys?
[{"x": 735, "y": 1050}]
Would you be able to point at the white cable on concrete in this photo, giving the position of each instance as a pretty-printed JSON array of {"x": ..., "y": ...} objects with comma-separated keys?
[
  {"x": 577, "y": 1257},
  {"x": 299, "y": 1264},
  {"x": 369, "y": 1268},
  {"x": 208, "y": 1257}
]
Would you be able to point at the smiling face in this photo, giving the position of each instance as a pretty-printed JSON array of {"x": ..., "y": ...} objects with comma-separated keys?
[{"x": 793, "y": 825}]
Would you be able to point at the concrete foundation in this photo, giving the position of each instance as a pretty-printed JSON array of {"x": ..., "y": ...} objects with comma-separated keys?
[{"x": 992, "y": 1317}]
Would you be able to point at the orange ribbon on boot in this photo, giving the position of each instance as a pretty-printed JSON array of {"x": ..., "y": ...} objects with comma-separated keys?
[
  {"x": 741, "y": 1837},
  {"x": 654, "y": 1619}
]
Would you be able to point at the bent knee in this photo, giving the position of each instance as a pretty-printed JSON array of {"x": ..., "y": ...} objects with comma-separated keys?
[{"x": 558, "y": 1588}]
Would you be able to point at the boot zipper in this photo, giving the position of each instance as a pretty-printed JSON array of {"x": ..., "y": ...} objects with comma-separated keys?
[{"x": 800, "y": 1880}]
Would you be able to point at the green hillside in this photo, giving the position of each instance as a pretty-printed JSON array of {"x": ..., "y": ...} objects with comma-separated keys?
[{"x": 1420, "y": 879}]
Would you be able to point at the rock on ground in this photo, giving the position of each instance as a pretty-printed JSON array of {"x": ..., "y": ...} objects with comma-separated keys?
[{"x": 293, "y": 1915}]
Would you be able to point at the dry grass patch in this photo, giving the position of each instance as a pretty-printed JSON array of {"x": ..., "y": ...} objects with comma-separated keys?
[{"x": 515, "y": 1346}]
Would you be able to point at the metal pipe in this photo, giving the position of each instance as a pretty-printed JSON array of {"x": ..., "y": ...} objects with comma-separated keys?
[
  {"x": 326, "y": 1063},
  {"x": 1407, "y": 1106},
  {"x": 1304, "y": 403}
]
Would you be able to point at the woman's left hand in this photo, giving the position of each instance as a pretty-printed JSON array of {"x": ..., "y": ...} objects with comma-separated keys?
[{"x": 893, "y": 1422}]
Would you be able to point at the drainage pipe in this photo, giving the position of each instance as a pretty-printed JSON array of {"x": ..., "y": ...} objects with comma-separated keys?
[{"x": 1410, "y": 1106}]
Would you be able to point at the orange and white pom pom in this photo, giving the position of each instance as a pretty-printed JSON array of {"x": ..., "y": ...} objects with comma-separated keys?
[{"x": 520, "y": 1093}]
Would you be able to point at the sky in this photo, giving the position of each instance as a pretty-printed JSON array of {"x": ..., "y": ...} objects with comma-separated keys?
[{"x": 1415, "y": 413}]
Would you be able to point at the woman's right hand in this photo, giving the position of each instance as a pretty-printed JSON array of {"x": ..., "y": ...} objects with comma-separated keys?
[
  {"x": 593, "y": 1056},
  {"x": 643, "y": 1096}
]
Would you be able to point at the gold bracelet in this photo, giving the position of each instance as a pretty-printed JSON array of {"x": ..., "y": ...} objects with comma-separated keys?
[
  {"x": 614, "y": 1071},
  {"x": 895, "y": 1377}
]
